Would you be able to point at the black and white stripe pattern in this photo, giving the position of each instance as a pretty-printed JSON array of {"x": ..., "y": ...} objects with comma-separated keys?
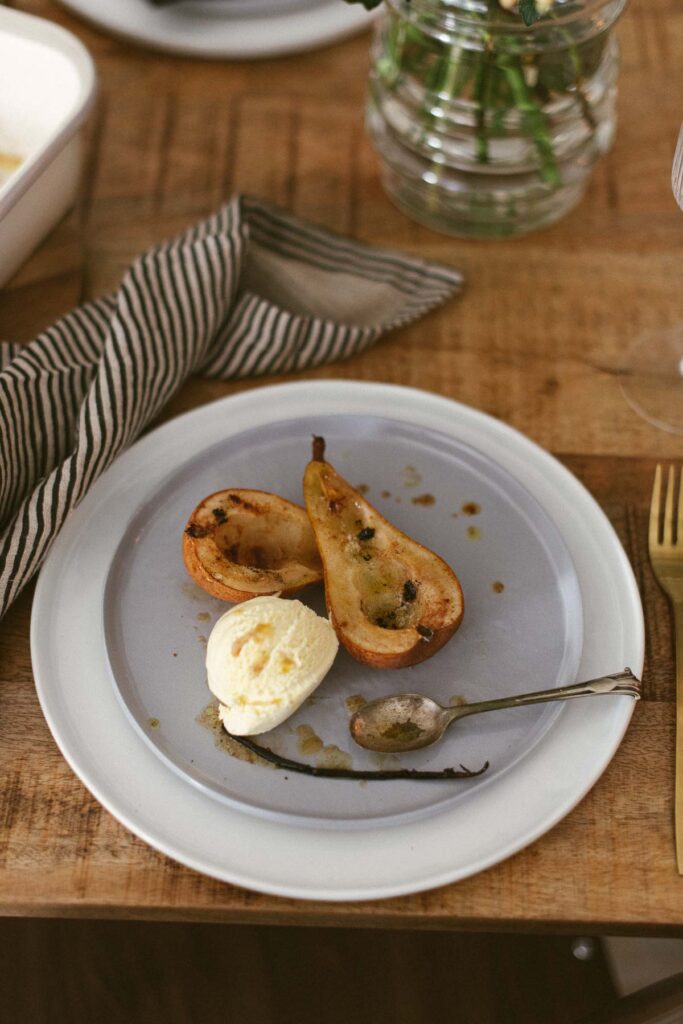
[{"x": 82, "y": 391}]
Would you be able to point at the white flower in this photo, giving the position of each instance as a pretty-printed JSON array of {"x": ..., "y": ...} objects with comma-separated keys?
[{"x": 542, "y": 6}]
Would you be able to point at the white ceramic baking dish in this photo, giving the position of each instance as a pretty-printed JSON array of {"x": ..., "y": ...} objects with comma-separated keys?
[{"x": 47, "y": 88}]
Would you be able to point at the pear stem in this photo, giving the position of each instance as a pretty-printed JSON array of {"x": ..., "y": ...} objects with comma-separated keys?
[{"x": 318, "y": 449}]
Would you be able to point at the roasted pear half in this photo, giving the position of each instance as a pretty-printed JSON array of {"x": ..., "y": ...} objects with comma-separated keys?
[
  {"x": 242, "y": 543},
  {"x": 391, "y": 601}
]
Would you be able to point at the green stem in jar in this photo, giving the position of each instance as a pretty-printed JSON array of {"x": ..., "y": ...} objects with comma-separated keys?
[
  {"x": 579, "y": 85},
  {"x": 453, "y": 74},
  {"x": 481, "y": 83},
  {"x": 532, "y": 113},
  {"x": 389, "y": 67},
  {"x": 450, "y": 77}
]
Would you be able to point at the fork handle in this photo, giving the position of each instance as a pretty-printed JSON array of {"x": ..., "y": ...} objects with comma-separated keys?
[{"x": 678, "y": 800}]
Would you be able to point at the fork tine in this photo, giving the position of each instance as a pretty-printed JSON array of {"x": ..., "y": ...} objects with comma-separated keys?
[
  {"x": 655, "y": 506},
  {"x": 668, "y": 537},
  {"x": 679, "y": 521}
]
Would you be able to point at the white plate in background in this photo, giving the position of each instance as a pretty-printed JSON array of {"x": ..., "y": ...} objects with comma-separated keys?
[{"x": 265, "y": 28}]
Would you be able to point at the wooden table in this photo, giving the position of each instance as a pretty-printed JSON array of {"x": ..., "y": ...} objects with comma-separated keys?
[{"x": 537, "y": 340}]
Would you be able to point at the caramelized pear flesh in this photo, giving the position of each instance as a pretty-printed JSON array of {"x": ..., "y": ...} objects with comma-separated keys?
[
  {"x": 392, "y": 602},
  {"x": 240, "y": 543}
]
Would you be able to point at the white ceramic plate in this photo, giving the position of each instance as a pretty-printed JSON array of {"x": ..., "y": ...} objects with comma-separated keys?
[
  {"x": 371, "y": 860},
  {"x": 218, "y": 29}
]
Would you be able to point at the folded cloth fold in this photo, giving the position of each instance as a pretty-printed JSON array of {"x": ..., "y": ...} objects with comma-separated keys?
[{"x": 249, "y": 291}]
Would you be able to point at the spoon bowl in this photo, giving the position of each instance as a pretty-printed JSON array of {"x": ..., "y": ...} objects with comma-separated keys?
[
  {"x": 410, "y": 721},
  {"x": 406, "y": 721}
]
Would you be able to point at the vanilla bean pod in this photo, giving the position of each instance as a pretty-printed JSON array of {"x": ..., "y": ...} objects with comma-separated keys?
[{"x": 349, "y": 773}]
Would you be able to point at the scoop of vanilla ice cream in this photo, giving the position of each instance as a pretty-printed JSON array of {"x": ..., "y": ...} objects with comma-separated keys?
[{"x": 264, "y": 658}]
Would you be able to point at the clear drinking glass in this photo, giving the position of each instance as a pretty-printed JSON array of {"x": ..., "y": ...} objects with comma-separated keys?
[{"x": 652, "y": 378}]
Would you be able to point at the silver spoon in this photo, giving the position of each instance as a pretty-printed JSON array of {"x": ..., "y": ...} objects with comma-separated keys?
[{"x": 408, "y": 721}]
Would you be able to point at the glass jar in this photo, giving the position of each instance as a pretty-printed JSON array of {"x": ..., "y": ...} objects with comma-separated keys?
[{"x": 486, "y": 127}]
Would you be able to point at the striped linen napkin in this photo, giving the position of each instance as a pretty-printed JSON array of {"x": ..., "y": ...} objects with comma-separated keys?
[{"x": 249, "y": 291}]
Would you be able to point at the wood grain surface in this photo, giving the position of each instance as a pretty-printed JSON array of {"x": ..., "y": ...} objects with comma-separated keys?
[{"x": 538, "y": 339}]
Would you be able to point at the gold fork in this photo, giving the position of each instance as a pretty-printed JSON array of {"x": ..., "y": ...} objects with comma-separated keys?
[{"x": 665, "y": 541}]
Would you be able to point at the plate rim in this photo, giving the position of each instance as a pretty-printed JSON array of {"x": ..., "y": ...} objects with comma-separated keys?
[{"x": 418, "y": 405}]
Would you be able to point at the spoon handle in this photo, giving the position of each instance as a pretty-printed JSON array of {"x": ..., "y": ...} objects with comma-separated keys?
[{"x": 621, "y": 682}]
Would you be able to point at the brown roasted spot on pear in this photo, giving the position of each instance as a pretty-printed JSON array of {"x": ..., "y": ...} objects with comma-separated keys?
[
  {"x": 242, "y": 543},
  {"x": 391, "y": 601}
]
